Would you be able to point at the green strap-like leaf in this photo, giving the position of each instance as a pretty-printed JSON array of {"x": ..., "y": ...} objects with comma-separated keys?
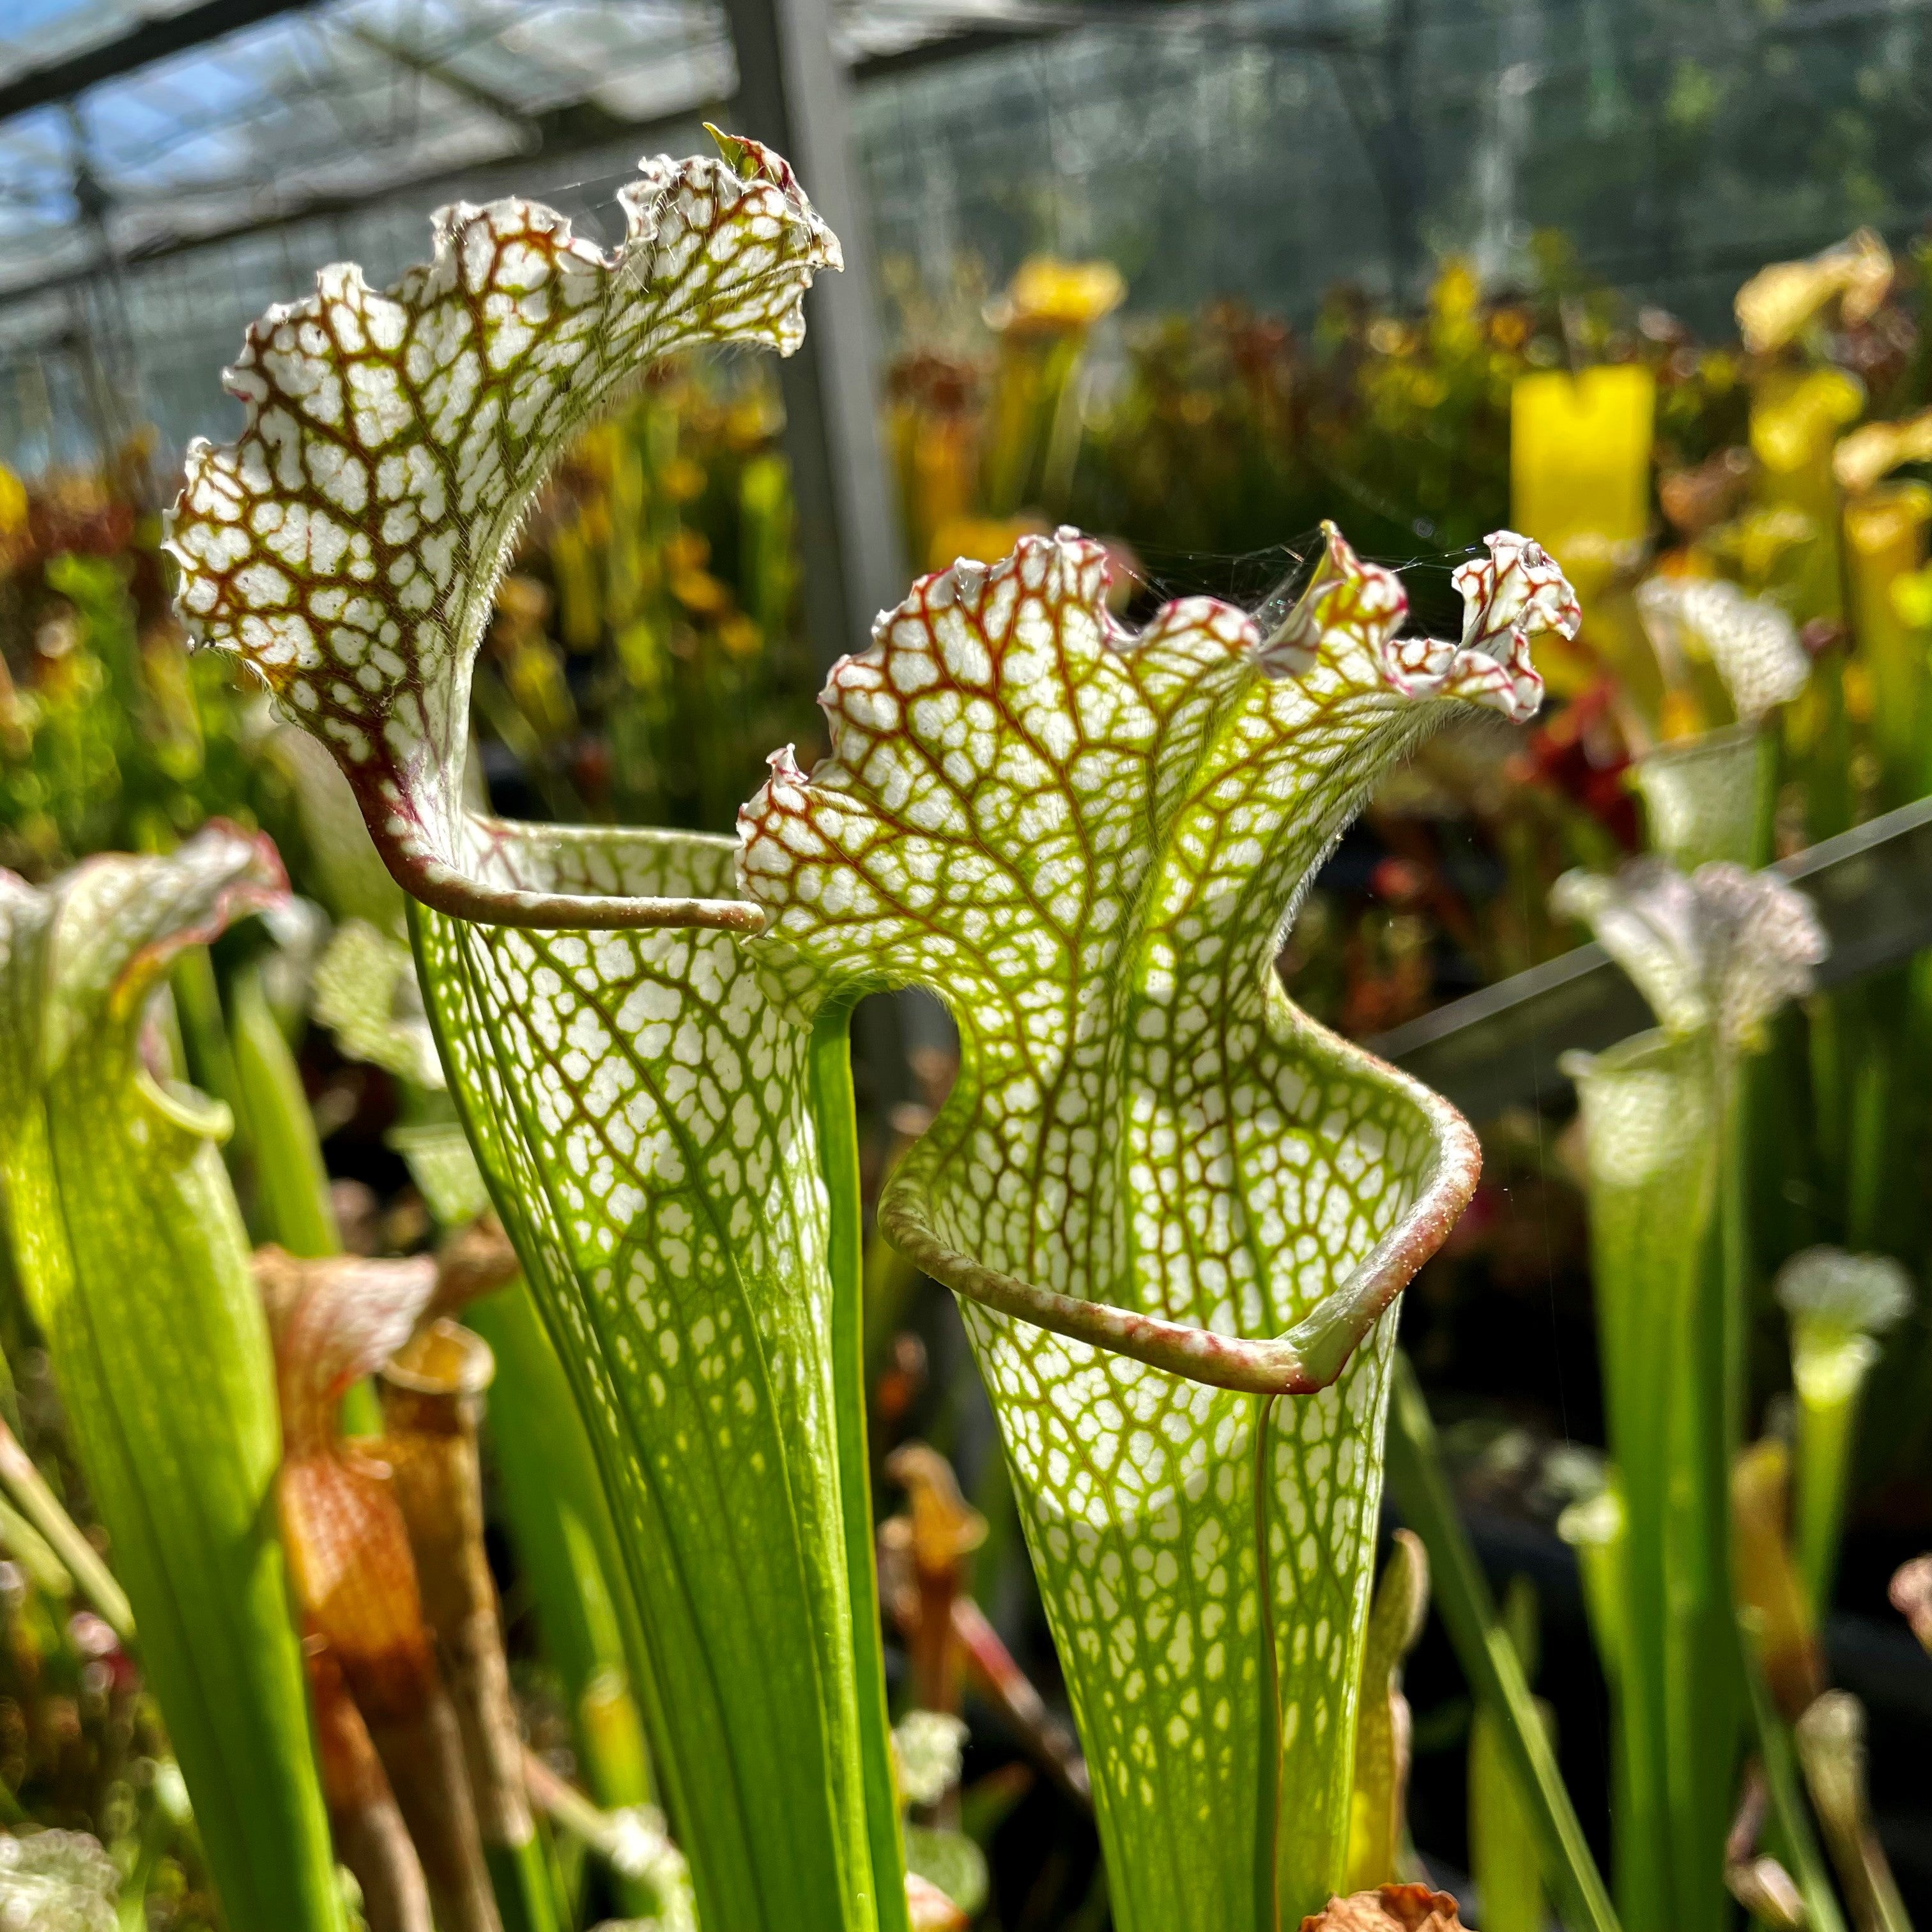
[
  {"x": 348, "y": 546},
  {"x": 1157, "y": 1183},
  {"x": 133, "y": 1258},
  {"x": 1420, "y": 1491}
]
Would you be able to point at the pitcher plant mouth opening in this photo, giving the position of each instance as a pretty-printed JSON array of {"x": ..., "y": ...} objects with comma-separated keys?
[{"x": 1306, "y": 1358}]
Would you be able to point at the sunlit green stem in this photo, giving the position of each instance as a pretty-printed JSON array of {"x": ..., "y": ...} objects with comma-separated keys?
[
  {"x": 832, "y": 1100},
  {"x": 42, "y": 1508},
  {"x": 1828, "y": 1376},
  {"x": 1502, "y": 1839},
  {"x": 204, "y": 1032},
  {"x": 520, "y": 1875},
  {"x": 1795, "y": 1843},
  {"x": 291, "y": 1182},
  {"x": 1420, "y": 1492}
]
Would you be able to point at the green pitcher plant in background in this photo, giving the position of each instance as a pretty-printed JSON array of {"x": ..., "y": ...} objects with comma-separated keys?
[
  {"x": 1717, "y": 955},
  {"x": 1839, "y": 1305},
  {"x": 1722, "y": 656},
  {"x": 131, "y": 1252},
  {"x": 1177, "y": 1209}
]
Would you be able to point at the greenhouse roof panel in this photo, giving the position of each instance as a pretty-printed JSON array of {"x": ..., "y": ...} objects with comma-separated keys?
[
  {"x": 39, "y": 31},
  {"x": 320, "y": 107}
]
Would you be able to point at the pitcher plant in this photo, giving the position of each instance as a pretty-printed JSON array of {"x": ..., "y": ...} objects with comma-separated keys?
[{"x": 1176, "y": 1210}]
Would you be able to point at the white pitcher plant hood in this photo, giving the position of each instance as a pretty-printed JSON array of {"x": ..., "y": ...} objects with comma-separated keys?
[
  {"x": 1722, "y": 949},
  {"x": 348, "y": 546},
  {"x": 1839, "y": 1304},
  {"x": 1160, "y": 1188},
  {"x": 1750, "y": 642},
  {"x": 1087, "y": 842}
]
